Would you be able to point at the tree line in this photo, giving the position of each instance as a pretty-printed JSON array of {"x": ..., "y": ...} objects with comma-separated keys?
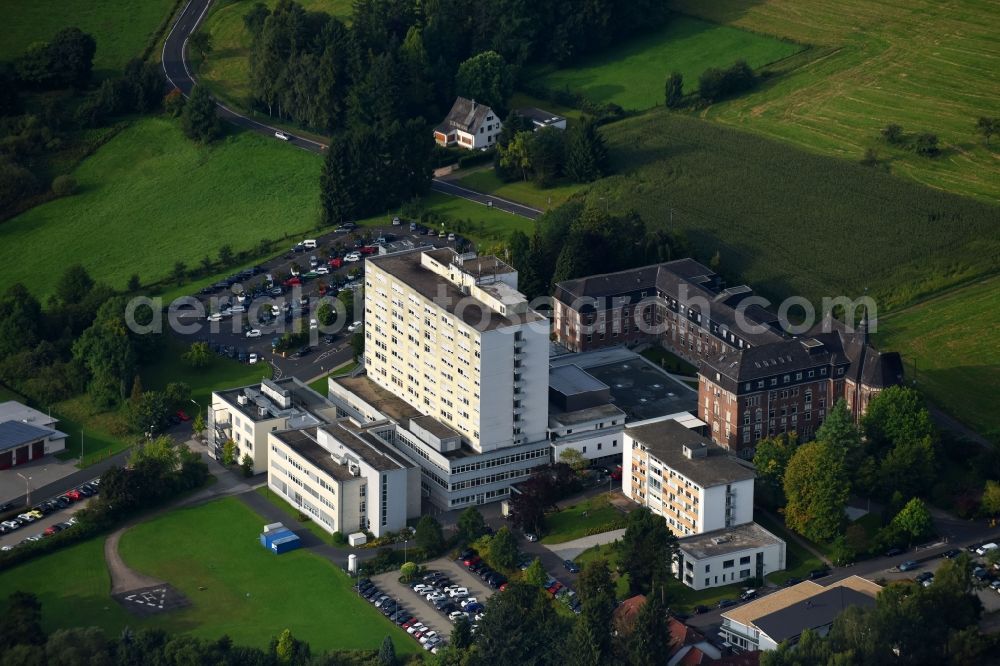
[{"x": 582, "y": 238}]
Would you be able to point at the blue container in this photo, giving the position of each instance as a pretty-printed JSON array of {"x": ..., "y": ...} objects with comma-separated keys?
[
  {"x": 267, "y": 538},
  {"x": 285, "y": 544}
]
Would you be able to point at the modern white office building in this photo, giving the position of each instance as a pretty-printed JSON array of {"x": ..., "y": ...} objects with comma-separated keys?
[
  {"x": 344, "y": 477},
  {"x": 457, "y": 363},
  {"x": 728, "y": 556},
  {"x": 247, "y": 414},
  {"x": 582, "y": 417}
]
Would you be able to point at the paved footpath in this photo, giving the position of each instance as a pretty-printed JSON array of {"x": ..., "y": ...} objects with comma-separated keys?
[{"x": 569, "y": 550}]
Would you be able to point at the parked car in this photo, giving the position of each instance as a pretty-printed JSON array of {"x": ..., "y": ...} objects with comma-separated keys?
[
  {"x": 470, "y": 561},
  {"x": 281, "y": 135},
  {"x": 747, "y": 595},
  {"x": 531, "y": 537},
  {"x": 985, "y": 548},
  {"x": 951, "y": 554},
  {"x": 352, "y": 257},
  {"x": 926, "y": 575},
  {"x": 726, "y": 603},
  {"x": 818, "y": 573},
  {"x": 355, "y": 326},
  {"x": 253, "y": 333},
  {"x": 981, "y": 574},
  {"x": 415, "y": 627},
  {"x": 459, "y": 592},
  {"x": 908, "y": 565},
  {"x": 571, "y": 566},
  {"x": 894, "y": 552}
]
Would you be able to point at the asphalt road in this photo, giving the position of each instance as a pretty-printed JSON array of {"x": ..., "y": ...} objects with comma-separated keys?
[{"x": 178, "y": 73}]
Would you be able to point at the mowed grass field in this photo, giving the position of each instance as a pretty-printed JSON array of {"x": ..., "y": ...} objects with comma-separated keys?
[
  {"x": 951, "y": 348},
  {"x": 150, "y": 197},
  {"x": 121, "y": 29},
  {"x": 928, "y": 66},
  {"x": 226, "y": 70},
  {"x": 633, "y": 74},
  {"x": 249, "y": 593},
  {"x": 790, "y": 222},
  {"x": 212, "y": 554}
]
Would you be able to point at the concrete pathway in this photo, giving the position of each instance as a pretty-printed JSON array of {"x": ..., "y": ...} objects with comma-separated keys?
[{"x": 571, "y": 549}]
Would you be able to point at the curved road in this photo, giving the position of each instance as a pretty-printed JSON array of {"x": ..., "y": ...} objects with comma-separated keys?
[{"x": 178, "y": 73}]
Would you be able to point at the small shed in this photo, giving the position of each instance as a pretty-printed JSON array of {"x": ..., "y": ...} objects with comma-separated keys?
[
  {"x": 285, "y": 544},
  {"x": 357, "y": 539}
]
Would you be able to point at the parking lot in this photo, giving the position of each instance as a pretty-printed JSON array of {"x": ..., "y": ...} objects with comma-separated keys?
[
  {"x": 37, "y": 528},
  {"x": 283, "y": 295}
]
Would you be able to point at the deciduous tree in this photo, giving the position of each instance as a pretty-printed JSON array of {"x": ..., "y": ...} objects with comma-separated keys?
[
  {"x": 487, "y": 79},
  {"x": 503, "y": 549},
  {"x": 429, "y": 536},
  {"x": 471, "y": 525},
  {"x": 914, "y": 520},
  {"x": 199, "y": 118},
  {"x": 816, "y": 487},
  {"x": 987, "y": 127}
]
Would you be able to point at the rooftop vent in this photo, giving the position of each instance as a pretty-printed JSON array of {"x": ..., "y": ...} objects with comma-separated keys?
[
  {"x": 720, "y": 540},
  {"x": 695, "y": 450},
  {"x": 241, "y": 399}
]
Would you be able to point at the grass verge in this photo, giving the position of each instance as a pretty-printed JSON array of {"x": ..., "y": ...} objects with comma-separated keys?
[
  {"x": 528, "y": 193},
  {"x": 593, "y": 515}
]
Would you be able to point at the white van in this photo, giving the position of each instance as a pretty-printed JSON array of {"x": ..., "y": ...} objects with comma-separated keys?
[{"x": 309, "y": 243}]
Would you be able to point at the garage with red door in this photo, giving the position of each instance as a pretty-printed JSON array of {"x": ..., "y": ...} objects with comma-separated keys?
[{"x": 21, "y": 443}]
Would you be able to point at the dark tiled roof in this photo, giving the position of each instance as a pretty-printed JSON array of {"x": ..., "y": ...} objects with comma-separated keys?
[
  {"x": 664, "y": 441},
  {"x": 465, "y": 115},
  {"x": 688, "y": 282},
  {"x": 539, "y": 116},
  {"x": 814, "y": 612},
  {"x": 17, "y": 433}
]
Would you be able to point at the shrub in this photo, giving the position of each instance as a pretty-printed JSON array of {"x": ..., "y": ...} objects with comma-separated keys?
[
  {"x": 339, "y": 539},
  {"x": 63, "y": 186}
]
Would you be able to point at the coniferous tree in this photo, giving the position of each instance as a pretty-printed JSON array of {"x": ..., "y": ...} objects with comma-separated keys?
[{"x": 586, "y": 154}]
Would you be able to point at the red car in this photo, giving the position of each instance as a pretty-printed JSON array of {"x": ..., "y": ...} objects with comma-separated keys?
[
  {"x": 182, "y": 415},
  {"x": 292, "y": 281},
  {"x": 616, "y": 474},
  {"x": 52, "y": 529},
  {"x": 368, "y": 249},
  {"x": 74, "y": 495},
  {"x": 503, "y": 587},
  {"x": 555, "y": 587},
  {"x": 469, "y": 561},
  {"x": 336, "y": 262}
]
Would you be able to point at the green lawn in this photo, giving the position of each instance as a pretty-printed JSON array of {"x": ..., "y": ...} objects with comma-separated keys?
[
  {"x": 795, "y": 223},
  {"x": 227, "y": 69},
  {"x": 486, "y": 181},
  {"x": 249, "y": 593},
  {"x": 95, "y": 428},
  {"x": 633, "y": 74},
  {"x": 926, "y": 65},
  {"x": 949, "y": 351},
  {"x": 571, "y": 523},
  {"x": 121, "y": 29},
  {"x": 670, "y": 362},
  {"x": 73, "y": 586},
  {"x": 220, "y": 373},
  {"x": 322, "y": 386},
  {"x": 150, "y": 193}
]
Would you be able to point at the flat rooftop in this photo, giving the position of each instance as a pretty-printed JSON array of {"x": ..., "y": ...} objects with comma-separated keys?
[
  {"x": 368, "y": 446},
  {"x": 728, "y": 540},
  {"x": 665, "y": 440},
  {"x": 395, "y": 408},
  {"x": 11, "y": 410},
  {"x": 596, "y": 413},
  {"x": 303, "y": 442},
  {"x": 435, "y": 427},
  {"x": 816, "y": 611},
  {"x": 573, "y": 380},
  {"x": 405, "y": 267},
  {"x": 642, "y": 390},
  {"x": 304, "y": 401}
]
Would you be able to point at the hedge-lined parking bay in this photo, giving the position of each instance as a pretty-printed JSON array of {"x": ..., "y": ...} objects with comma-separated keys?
[
  {"x": 249, "y": 593},
  {"x": 150, "y": 197}
]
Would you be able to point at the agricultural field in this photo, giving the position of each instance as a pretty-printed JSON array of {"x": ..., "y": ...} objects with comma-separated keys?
[
  {"x": 211, "y": 554},
  {"x": 151, "y": 187},
  {"x": 633, "y": 74},
  {"x": 928, "y": 66},
  {"x": 122, "y": 30},
  {"x": 786, "y": 225},
  {"x": 227, "y": 69},
  {"x": 485, "y": 180},
  {"x": 950, "y": 350}
]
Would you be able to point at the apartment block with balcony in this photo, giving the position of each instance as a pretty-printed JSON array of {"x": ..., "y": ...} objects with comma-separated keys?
[
  {"x": 694, "y": 484},
  {"x": 247, "y": 414}
]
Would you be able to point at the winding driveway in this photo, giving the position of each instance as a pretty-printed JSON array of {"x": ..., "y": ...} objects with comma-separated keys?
[{"x": 178, "y": 73}]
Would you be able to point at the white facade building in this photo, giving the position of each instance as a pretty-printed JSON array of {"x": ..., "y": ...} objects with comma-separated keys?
[
  {"x": 582, "y": 417},
  {"x": 345, "y": 477},
  {"x": 728, "y": 556},
  {"x": 247, "y": 414},
  {"x": 694, "y": 484},
  {"x": 457, "y": 363},
  {"x": 469, "y": 125}
]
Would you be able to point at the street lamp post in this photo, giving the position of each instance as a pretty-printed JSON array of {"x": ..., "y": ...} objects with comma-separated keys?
[
  {"x": 405, "y": 541},
  {"x": 27, "y": 488}
]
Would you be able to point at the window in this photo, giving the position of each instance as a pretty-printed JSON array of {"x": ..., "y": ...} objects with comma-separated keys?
[
  {"x": 745, "y": 560},
  {"x": 728, "y": 564}
]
